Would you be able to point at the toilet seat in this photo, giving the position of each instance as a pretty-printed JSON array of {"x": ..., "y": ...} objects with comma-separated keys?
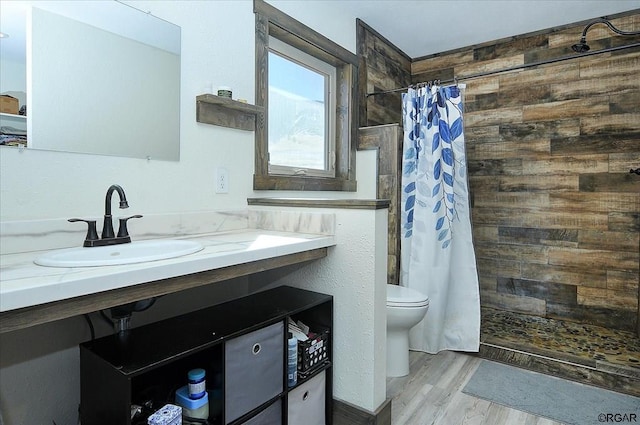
[{"x": 400, "y": 296}]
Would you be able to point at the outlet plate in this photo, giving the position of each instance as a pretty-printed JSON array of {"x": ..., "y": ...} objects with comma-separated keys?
[{"x": 222, "y": 180}]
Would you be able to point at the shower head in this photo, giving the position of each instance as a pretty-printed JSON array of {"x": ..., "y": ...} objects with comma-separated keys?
[{"x": 582, "y": 45}]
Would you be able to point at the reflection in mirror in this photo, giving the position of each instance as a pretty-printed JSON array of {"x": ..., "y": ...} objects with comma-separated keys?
[{"x": 101, "y": 78}]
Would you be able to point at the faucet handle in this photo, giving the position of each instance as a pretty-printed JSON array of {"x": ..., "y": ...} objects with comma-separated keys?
[
  {"x": 92, "y": 234},
  {"x": 123, "y": 232}
]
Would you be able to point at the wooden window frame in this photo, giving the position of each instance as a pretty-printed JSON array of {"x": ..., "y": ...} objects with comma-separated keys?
[{"x": 272, "y": 22}]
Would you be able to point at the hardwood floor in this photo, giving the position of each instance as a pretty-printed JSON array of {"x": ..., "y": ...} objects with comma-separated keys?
[{"x": 432, "y": 395}]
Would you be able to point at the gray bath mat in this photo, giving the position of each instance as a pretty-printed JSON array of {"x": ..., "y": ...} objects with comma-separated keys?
[{"x": 557, "y": 399}]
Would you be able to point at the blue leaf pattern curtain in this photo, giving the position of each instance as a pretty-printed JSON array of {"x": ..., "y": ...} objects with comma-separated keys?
[{"x": 437, "y": 256}]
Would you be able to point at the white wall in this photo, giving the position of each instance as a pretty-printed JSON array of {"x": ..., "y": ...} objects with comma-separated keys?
[
  {"x": 355, "y": 273},
  {"x": 39, "y": 367},
  {"x": 339, "y": 27}
]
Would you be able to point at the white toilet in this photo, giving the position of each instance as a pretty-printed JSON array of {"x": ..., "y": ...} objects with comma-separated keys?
[{"x": 405, "y": 309}]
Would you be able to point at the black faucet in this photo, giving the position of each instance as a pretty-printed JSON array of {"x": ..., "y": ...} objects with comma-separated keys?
[
  {"x": 108, "y": 236},
  {"x": 107, "y": 225}
]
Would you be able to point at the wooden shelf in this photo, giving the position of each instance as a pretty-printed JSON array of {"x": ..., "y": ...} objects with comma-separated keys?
[{"x": 216, "y": 110}]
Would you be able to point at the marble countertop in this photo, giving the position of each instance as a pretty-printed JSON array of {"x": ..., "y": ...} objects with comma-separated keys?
[{"x": 25, "y": 284}]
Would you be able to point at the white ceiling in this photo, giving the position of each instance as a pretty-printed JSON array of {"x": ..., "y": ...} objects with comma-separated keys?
[{"x": 424, "y": 27}]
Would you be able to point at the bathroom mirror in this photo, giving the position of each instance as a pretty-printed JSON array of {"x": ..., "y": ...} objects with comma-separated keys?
[{"x": 101, "y": 77}]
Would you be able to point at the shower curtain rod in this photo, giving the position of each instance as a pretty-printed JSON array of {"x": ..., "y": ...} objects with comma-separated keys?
[{"x": 514, "y": 68}]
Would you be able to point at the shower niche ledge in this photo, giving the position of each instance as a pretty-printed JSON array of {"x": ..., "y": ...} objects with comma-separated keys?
[{"x": 224, "y": 112}]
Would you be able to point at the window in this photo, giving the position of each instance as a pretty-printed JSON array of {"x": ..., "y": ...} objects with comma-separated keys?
[
  {"x": 301, "y": 127},
  {"x": 306, "y": 84}
]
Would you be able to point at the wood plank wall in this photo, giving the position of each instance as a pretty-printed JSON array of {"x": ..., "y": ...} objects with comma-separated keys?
[
  {"x": 382, "y": 67},
  {"x": 556, "y": 212}
]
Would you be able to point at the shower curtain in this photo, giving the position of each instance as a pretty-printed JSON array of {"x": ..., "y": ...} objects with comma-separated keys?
[{"x": 437, "y": 256}]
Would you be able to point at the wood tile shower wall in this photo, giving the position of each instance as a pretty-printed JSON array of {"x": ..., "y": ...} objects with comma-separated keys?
[{"x": 556, "y": 211}]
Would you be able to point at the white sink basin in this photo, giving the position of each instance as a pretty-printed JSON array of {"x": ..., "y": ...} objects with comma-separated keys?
[{"x": 128, "y": 253}]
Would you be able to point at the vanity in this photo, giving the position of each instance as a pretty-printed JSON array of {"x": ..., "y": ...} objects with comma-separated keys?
[
  {"x": 32, "y": 294},
  {"x": 119, "y": 370},
  {"x": 320, "y": 250}
]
